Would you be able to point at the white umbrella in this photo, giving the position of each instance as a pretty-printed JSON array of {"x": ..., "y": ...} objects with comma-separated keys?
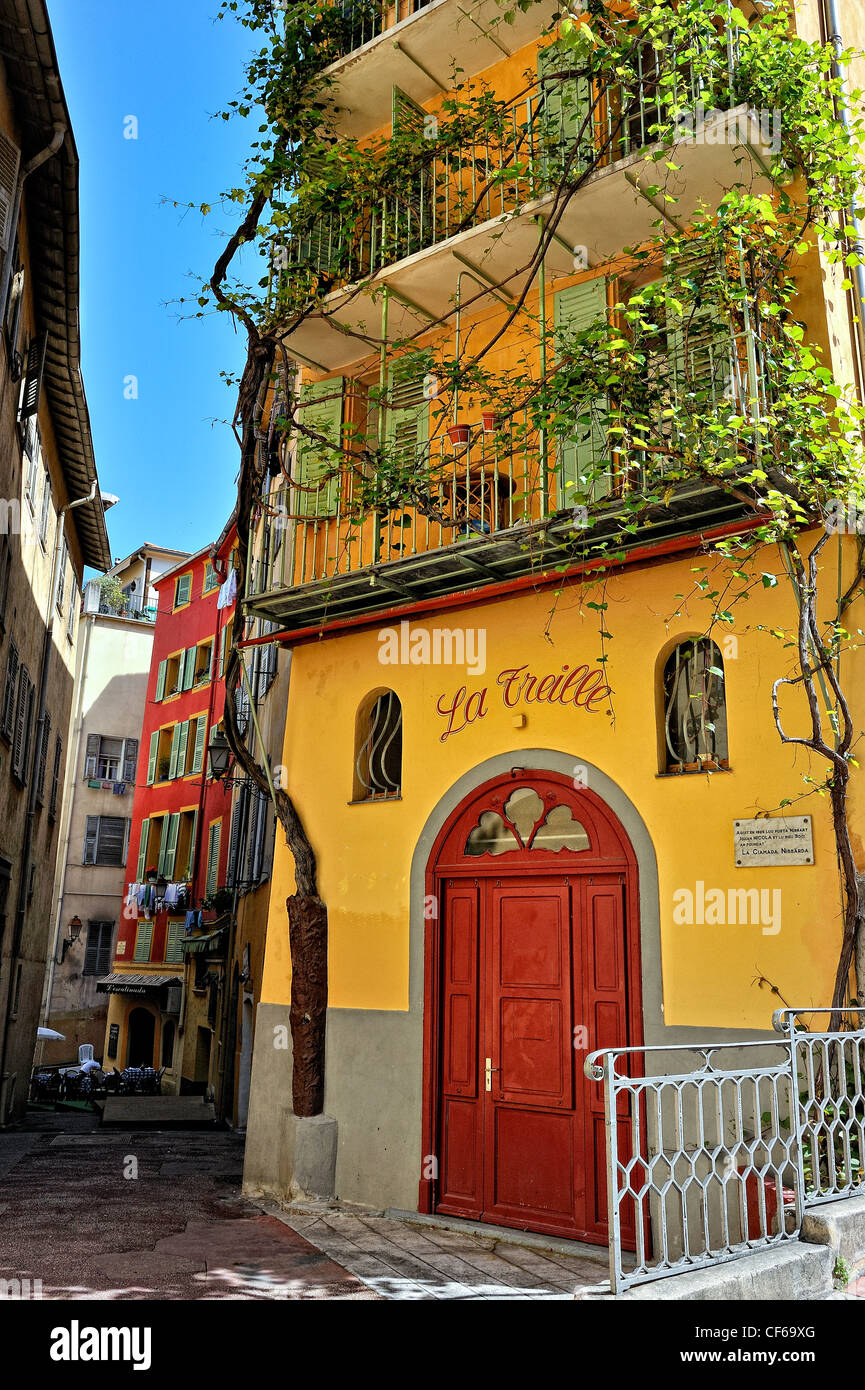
[{"x": 50, "y": 1035}]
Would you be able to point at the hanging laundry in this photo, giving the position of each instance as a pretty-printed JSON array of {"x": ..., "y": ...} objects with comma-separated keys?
[{"x": 228, "y": 591}]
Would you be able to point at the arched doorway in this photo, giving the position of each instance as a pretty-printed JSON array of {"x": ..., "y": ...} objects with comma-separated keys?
[
  {"x": 139, "y": 1040},
  {"x": 532, "y": 961}
]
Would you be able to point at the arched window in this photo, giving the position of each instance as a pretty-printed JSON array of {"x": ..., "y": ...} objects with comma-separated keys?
[
  {"x": 694, "y": 708},
  {"x": 378, "y": 748},
  {"x": 167, "y": 1043}
]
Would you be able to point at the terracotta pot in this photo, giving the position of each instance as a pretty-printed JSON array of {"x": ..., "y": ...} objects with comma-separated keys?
[
  {"x": 459, "y": 434},
  {"x": 492, "y": 421}
]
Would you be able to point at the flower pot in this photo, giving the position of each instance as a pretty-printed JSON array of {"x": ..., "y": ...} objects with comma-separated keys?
[
  {"x": 492, "y": 421},
  {"x": 459, "y": 434}
]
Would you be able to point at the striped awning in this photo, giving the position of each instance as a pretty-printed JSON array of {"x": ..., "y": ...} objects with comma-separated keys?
[{"x": 134, "y": 984}]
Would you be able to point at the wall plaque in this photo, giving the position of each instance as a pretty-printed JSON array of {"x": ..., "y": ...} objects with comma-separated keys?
[{"x": 774, "y": 840}]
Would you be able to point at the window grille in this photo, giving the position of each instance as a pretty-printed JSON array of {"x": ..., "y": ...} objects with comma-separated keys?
[
  {"x": 695, "y": 709},
  {"x": 379, "y": 761}
]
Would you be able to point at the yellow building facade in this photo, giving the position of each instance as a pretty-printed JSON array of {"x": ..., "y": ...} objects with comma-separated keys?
[{"x": 520, "y": 864}]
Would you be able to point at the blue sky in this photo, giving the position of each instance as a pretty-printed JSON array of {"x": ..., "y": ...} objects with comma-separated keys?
[{"x": 166, "y": 454}]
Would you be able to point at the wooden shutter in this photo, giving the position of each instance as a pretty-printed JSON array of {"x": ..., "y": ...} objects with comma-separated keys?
[
  {"x": 189, "y": 667},
  {"x": 152, "y": 757},
  {"x": 33, "y": 378},
  {"x": 222, "y": 638},
  {"x": 10, "y": 158},
  {"x": 143, "y": 941},
  {"x": 42, "y": 764},
  {"x": 106, "y": 940},
  {"x": 142, "y": 851},
  {"x": 91, "y": 838},
  {"x": 315, "y": 460},
  {"x": 198, "y": 750},
  {"x": 175, "y": 933},
  {"x": 55, "y": 776},
  {"x": 160, "y": 680},
  {"x": 9, "y": 689},
  {"x": 234, "y": 850},
  {"x": 182, "y": 742},
  {"x": 91, "y": 950},
  {"x": 182, "y": 589},
  {"x": 171, "y": 845},
  {"x": 213, "y": 841},
  {"x": 408, "y": 412},
  {"x": 23, "y": 715},
  {"x": 212, "y": 656},
  {"x": 175, "y": 744},
  {"x": 130, "y": 760},
  {"x": 564, "y": 115},
  {"x": 91, "y": 757},
  {"x": 582, "y": 464},
  {"x": 699, "y": 336},
  {"x": 190, "y": 862}
]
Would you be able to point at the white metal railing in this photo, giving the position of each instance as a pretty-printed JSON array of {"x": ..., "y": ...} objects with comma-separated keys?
[{"x": 715, "y": 1150}]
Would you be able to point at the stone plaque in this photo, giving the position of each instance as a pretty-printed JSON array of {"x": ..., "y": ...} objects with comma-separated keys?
[{"x": 776, "y": 840}]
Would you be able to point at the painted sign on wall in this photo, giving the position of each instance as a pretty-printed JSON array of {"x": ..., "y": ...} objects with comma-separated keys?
[{"x": 582, "y": 686}]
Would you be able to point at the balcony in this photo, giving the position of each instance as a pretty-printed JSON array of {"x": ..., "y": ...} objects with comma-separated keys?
[
  {"x": 412, "y": 44},
  {"x": 130, "y": 611},
  {"x": 477, "y": 209},
  {"x": 512, "y": 502}
]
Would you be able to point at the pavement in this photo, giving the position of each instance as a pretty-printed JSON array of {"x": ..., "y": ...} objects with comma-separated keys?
[
  {"x": 138, "y": 1214},
  {"x": 96, "y": 1214}
]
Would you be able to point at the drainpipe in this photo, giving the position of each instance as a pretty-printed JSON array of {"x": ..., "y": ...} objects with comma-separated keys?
[
  {"x": 24, "y": 865},
  {"x": 832, "y": 29}
]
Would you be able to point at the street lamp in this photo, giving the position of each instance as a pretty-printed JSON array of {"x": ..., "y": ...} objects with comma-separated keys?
[
  {"x": 75, "y": 925},
  {"x": 219, "y": 754}
]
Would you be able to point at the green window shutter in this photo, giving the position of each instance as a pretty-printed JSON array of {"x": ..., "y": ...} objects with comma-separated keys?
[
  {"x": 583, "y": 465},
  {"x": 564, "y": 114},
  {"x": 189, "y": 668},
  {"x": 314, "y": 460},
  {"x": 408, "y": 412},
  {"x": 152, "y": 757},
  {"x": 142, "y": 851},
  {"x": 143, "y": 941},
  {"x": 173, "y": 943},
  {"x": 406, "y": 114},
  {"x": 175, "y": 741},
  {"x": 188, "y": 866},
  {"x": 182, "y": 590},
  {"x": 160, "y": 680},
  {"x": 213, "y": 841},
  {"x": 699, "y": 336},
  {"x": 222, "y": 639},
  {"x": 212, "y": 657},
  {"x": 198, "y": 749},
  {"x": 171, "y": 846},
  {"x": 182, "y": 741}
]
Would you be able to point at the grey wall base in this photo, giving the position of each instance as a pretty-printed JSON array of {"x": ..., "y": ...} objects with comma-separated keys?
[
  {"x": 800, "y": 1270},
  {"x": 313, "y": 1145}
]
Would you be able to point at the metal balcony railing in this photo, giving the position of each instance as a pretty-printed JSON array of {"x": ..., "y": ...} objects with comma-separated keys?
[
  {"x": 128, "y": 610},
  {"x": 522, "y": 155},
  {"x": 364, "y": 20},
  {"x": 717, "y": 1151},
  {"x": 505, "y": 482}
]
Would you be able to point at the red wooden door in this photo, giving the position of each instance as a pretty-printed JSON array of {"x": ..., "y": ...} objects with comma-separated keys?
[{"x": 534, "y": 974}]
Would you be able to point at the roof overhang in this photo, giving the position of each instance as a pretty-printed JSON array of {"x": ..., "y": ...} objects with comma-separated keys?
[{"x": 51, "y": 199}]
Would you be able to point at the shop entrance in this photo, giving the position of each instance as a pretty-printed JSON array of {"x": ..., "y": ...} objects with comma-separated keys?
[
  {"x": 139, "y": 1048},
  {"x": 532, "y": 962}
]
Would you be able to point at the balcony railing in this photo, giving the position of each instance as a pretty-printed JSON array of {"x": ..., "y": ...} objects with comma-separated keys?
[
  {"x": 128, "y": 610},
  {"x": 521, "y": 156},
  {"x": 715, "y": 1151},
  {"x": 507, "y": 482},
  {"x": 364, "y": 20}
]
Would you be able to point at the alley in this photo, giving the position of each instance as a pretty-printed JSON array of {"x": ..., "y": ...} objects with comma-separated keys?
[
  {"x": 105, "y": 1214},
  {"x": 112, "y": 1214}
]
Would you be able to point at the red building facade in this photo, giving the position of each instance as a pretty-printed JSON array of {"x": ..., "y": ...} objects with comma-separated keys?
[{"x": 179, "y": 837}]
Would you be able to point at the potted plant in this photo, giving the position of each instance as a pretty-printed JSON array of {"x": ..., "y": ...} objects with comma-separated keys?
[
  {"x": 164, "y": 769},
  {"x": 111, "y": 593},
  {"x": 492, "y": 421},
  {"x": 459, "y": 434}
]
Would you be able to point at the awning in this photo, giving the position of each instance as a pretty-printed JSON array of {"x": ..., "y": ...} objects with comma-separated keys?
[
  {"x": 134, "y": 984},
  {"x": 194, "y": 945}
]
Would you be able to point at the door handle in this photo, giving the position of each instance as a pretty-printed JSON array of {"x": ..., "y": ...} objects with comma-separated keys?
[{"x": 488, "y": 1073}]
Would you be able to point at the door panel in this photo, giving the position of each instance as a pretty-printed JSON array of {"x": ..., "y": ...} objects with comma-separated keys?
[
  {"x": 461, "y": 1137},
  {"x": 524, "y": 960}
]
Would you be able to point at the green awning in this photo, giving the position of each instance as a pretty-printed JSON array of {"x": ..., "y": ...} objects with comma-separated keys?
[{"x": 194, "y": 945}]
